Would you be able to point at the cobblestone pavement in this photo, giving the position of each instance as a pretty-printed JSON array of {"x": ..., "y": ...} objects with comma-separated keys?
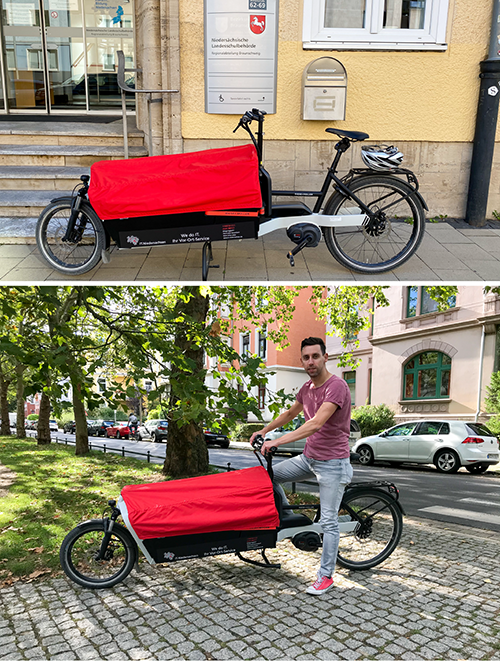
[{"x": 437, "y": 597}]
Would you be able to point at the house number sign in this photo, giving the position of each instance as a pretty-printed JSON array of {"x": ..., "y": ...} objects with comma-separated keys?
[{"x": 241, "y": 39}]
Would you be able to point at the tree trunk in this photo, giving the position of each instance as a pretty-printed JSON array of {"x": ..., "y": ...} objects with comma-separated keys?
[
  {"x": 4, "y": 404},
  {"x": 187, "y": 452},
  {"x": 43, "y": 429},
  {"x": 20, "y": 420},
  {"x": 82, "y": 434}
]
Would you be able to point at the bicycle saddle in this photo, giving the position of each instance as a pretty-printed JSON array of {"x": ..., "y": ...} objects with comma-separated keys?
[{"x": 352, "y": 135}]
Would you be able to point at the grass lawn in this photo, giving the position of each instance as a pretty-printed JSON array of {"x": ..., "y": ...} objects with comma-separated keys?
[{"x": 53, "y": 491}]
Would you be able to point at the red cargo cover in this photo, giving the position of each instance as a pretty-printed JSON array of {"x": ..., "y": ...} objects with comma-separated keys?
[
  {"x": 239, "y": 500},
  {"x": 212, "y": 180}
]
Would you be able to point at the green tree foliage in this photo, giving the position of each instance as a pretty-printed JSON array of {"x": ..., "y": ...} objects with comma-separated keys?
[
  {"x": 492, "y": 399},
  {"x": 373, "y": 419},
  {"x": 165, "y": 335}
]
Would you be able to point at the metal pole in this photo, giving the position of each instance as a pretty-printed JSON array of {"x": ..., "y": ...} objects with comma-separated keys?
[
  {"x": 486, "y": 125},
  {"x": 150, "y": 100},
  {"x": 125, "y": 126}
]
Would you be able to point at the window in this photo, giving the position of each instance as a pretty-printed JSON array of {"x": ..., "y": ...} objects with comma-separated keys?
[
  {"x": 34, "y": 58},
  {"x": 418, "y": 301},
  {"x": 101, "y": 385},
  {"x": 350, "y": 379},
  {"x": 262, "y": 396},
  {"x": 478, "y": 429},
  {"x": 431, "y": 428},
  {"x": 262, "y": 344},
  {"x": 245, "y": 346},
  {"x": 382, "y": 24},
  {"x": 148, "y": 386},
  {"x": 427, "y": 376},
  {"x": 405, "y": 429}
]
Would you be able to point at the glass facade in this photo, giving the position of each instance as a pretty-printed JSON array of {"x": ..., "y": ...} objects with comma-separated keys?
[{"x": 61, "y": 54}]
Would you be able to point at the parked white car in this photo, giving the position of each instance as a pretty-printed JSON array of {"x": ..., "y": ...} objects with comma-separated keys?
[
  {"x": 53, "y": 425},
  {"x": 448, "y": 444},
  {"x": 297, "y": 447}
]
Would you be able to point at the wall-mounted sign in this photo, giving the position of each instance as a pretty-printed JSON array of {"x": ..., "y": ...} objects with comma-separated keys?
[{"x": 241, "y": 39}]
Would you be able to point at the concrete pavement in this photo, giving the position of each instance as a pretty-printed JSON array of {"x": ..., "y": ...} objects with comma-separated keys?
[
  {"x": 436, "y": 597},
  {"x": 451, "y": 251}
]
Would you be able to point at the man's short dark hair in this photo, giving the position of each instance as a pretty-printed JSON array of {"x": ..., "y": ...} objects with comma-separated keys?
[{"x": 311, "y": 341}]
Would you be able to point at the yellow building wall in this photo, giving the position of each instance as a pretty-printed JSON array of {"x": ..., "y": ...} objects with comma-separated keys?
[{"x": 392, "y": 95}]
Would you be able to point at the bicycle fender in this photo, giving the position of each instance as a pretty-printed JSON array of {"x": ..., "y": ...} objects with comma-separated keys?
[
  {"x": 65, "y": 198},
  {"x": 84, "y": 523},
  {"x": 423, "y": 202}
]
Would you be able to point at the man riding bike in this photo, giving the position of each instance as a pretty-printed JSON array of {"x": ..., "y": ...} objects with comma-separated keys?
[
  {"x": 133, "y": 423},
  {"x": 326, "y": 402}
]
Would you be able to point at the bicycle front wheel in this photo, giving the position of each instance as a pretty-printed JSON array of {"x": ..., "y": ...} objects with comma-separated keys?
[
  {"x": 378, "y": 530},
  {"x": 79, "y": 550},
  {"x": 83, "y": 251},
  {"x": 395, "y": 234}
]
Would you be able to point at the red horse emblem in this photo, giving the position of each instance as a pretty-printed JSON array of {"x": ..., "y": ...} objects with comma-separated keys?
[{"x": 257, "y": 24}]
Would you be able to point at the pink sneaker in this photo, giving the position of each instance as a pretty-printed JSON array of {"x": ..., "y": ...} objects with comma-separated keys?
[{"x": 320, "y": 586}]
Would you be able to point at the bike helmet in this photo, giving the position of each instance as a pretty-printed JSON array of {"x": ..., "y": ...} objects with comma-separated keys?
[{"x": 381, "y": 157}]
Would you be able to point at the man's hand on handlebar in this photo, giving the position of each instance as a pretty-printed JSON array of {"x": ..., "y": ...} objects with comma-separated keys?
[
  {"x": 256, "y": 434},
  {"x": 259, "y": 443}
]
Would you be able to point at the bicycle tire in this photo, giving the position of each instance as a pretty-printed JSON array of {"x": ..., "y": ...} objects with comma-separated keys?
[
  {"x": 80, "y": 545},
  {"x": 380, "y": 525},
  {"x": 71, "y": 258},
  {"x": 401, "y": 234}
]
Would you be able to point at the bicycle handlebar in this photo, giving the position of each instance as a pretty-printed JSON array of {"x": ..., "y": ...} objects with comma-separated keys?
[
  {"x": 254, "y": 114},
  {"x": 259, "y": 442}
]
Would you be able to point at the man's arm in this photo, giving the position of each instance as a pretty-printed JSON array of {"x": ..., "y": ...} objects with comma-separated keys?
[
  {"x": 324, "y": 412},
  {"x": 280, "y": 421}
]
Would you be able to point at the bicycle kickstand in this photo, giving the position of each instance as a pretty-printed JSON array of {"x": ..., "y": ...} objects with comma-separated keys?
[{"x": 206, "y": 258}]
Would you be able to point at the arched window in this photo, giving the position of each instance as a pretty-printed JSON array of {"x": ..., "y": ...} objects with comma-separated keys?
[{"x": 427, "y": 376}]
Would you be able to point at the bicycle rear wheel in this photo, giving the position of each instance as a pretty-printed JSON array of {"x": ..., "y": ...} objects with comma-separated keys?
[
  {"x": 379, "y": 529},
  {"x": 81, "y": 546},
  {"x": 83, "y": 251},
  {"x": 397, "y": 233}
]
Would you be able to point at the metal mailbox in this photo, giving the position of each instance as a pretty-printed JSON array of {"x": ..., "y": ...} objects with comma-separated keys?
[{"x": 324, "y": 88}]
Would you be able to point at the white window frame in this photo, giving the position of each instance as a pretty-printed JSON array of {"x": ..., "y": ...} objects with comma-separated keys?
[
  {"x": 258, "y": 333},
  {"x": 374, "y": 36},
  {"x": 242, "y": 337}
]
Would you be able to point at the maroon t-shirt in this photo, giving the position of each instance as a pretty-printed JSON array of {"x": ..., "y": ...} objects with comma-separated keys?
[{"x": 332, "y": 440}]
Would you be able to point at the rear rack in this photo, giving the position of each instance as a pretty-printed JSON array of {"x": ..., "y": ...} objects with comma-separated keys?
[{"x": 390, "y": 486}]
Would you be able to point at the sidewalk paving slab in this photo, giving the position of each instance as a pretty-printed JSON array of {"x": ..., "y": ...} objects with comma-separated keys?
[
  {"x": 450, "y": 251},
  {"x": 437, "y": 597}
]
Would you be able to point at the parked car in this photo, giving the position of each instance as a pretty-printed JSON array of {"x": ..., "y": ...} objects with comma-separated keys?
[
  {"x": 157, "y": 429},
  {"x": 448, "y": 444},
  {"x": 297, "y": 447},
  {"x": 214, "y": 438},
  {"x": 101, "y": 426},
  {"x": 31, "y": 424},
  {"x": 69, "y": 427},
  {"x": 142, "y": 433},
  {"x": 53, "y": 426},
  {"x": 118, "y": 430}
]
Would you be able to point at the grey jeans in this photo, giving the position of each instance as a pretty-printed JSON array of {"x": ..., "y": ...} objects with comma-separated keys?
[{"x": 333, "y": 476}]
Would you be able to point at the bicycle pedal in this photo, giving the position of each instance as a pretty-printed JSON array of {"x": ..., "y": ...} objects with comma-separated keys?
[
  {"x": 214, "y": 266},
  {"x": 292, "y": 260}
]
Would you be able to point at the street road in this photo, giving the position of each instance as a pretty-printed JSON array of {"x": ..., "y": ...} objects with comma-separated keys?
[{"x": 462, "y": 498}]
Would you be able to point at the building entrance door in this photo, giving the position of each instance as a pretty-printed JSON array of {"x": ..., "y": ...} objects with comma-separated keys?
[{"x": 59, "y": 55}]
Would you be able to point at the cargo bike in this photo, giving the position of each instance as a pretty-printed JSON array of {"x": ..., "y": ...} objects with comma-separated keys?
[
  {"x": 226, "y": 513},
  {"x": 372, "y": 221}
]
